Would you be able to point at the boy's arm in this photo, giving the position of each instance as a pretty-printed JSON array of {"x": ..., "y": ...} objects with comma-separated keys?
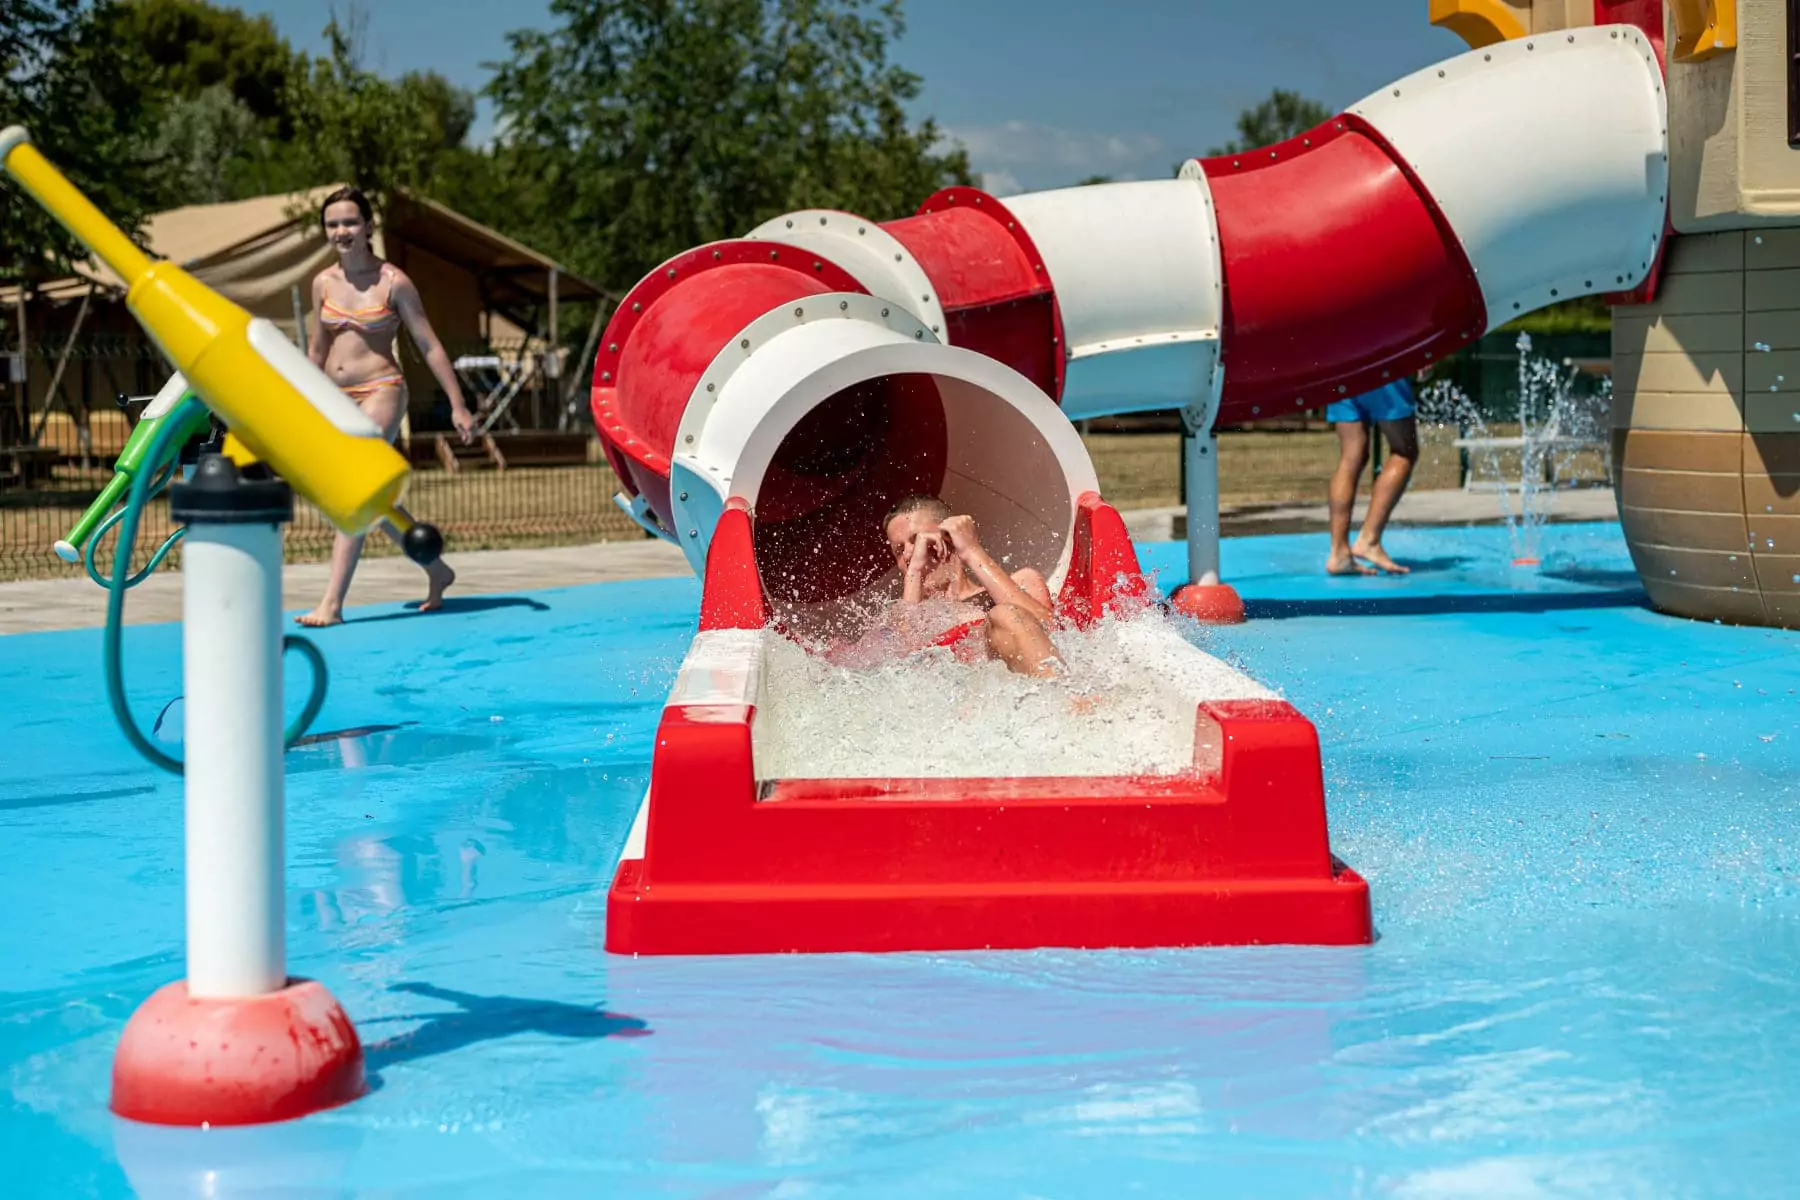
[{"x": 991, "y": 575}]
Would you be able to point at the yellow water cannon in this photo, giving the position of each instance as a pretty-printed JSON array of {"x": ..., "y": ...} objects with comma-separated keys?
[{"x": 279, "y": 407}]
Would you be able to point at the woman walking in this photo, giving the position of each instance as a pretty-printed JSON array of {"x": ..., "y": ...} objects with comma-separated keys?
[{"x": 358, "y": 308}]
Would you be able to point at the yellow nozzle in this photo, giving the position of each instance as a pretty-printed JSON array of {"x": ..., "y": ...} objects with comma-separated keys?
[{"x": 277, "y": 404}]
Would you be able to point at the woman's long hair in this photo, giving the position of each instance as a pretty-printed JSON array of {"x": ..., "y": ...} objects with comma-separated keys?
[{"x": 354, "y": 196}]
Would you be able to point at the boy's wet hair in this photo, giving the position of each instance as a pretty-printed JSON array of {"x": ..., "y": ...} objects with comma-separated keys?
[{"x": 917, "y": 502}]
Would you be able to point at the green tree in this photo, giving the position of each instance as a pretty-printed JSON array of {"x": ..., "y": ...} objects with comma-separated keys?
[
  {"x": 636, "y": 129},
  {"x": 193, "y": 47},
  {"x": 351, "y": 125},
  {"x": 1283, "y": 115},
  {"x": 61, "y": 77}
]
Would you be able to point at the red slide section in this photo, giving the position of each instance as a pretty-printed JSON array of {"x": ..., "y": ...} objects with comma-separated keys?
[
  {"x": 1234, "y": 851},
  {"x": 1340, "y": 272}
]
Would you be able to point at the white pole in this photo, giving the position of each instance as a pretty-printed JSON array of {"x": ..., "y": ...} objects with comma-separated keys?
[
  {"x": 231, "y": 653},
  {"x": 1200, "y": 462}
]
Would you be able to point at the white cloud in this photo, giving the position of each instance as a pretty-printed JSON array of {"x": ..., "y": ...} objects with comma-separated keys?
[
  {"x": 1020, "y": 154},
  {"x": 1000, "y": 183}
]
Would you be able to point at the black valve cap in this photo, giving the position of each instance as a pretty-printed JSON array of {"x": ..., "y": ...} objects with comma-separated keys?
[{"x": 423, "y": 544}]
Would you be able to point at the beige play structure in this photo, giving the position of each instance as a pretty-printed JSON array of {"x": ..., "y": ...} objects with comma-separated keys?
[{"x": 1706, "y": 374}]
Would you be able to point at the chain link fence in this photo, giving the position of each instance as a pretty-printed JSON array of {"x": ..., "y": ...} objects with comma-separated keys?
[{"x": 536, "y": 487}]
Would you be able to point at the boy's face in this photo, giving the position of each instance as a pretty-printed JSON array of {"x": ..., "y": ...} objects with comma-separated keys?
[{"x": 905, "y": 529}]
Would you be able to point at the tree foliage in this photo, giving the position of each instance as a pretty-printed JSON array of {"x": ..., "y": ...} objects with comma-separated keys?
[
  {"x": 629, "y": 131},
  {"x": 1283, "y": 115},
  {"x": 62, "y": 78},
  {"x": 355, "y": 127},
  {"x": 635, "y": 129}
]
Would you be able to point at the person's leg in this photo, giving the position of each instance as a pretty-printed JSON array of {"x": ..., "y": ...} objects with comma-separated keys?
[
  {"x": 344, "y": 553},
  {"x": 385, "y": 408},
  {"x": 1019, "y": 640},
  {"x": 1403, "y": 451},
  {"x": 438, "y": 575},
  {"x": 1353, "y": 454}
]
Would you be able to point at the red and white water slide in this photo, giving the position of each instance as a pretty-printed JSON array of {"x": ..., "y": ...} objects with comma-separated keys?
[{"x": 784, "y": 388}]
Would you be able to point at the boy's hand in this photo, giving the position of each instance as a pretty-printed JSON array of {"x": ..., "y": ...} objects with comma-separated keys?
[
  {"x": 961, "y": 532},
  {"x": 920, "y": 554}
]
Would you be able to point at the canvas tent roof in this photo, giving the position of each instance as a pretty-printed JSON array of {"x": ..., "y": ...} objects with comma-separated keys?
[{"x": 256, "y": 251}]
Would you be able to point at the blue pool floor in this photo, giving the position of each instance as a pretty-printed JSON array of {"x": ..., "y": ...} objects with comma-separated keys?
[{"x": 1577, "y": 818}]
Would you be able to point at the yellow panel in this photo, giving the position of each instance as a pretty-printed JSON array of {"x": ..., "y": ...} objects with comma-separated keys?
[
  {"x": 1480, "y": 22},
  {"x": 1704, "y": 372},
  {"x": 1664, "y": 410},
  {"x": 1687, "y": 334},
  {"x": 1704, "y": 28}
]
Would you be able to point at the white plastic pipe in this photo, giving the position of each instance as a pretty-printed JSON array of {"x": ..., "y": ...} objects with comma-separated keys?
[
  {"x": 1200, "y": 467},
  {"x": 231, "y": 654}
]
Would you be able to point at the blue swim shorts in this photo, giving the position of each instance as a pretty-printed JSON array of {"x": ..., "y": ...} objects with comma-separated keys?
[{"x": 1391, "y": 402}]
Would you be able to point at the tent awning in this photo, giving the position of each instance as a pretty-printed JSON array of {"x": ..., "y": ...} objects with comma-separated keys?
[{"x": 256, "y": 251}]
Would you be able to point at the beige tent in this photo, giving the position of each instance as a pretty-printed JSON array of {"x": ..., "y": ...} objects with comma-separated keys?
[{"x": 483, "y": 291}]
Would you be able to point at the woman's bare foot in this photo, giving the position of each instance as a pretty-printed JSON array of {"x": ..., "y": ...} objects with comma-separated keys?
[
  {"x": 321, "y": 616},
  {"x": 1341, "y": 563},
  {"x": 440, "y": 577},
  {"x": 1379, "y": 557}
]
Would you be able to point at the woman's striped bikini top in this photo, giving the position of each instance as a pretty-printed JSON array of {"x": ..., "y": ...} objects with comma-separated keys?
[{"x": 376, "y": 319}]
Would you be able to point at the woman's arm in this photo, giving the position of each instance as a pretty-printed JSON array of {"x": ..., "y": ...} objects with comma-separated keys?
[
  {"x": 1004, "y": 588},
  {"x": 405, "y": 298},
  {"x": 320, "y": 341}
]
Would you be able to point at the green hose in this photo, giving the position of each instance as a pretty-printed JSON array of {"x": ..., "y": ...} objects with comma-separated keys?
[
  {"x": 87, "y": 554},
  {"x": 115, "y": 609}
]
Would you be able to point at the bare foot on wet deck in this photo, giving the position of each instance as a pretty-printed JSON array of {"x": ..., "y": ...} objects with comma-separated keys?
[
  {"x": 440, "y": 577},
  {"x": 1341, "y": 563},
  {"x": 320, "y": 617},
  {"x": 1379, "y": 557}
]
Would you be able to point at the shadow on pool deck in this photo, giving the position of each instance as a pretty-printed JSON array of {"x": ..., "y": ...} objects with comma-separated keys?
[
  {"x": 1419, "y": 606},
  {"x": 454, "y": 604},
  {"x": 488, "y": 1018}
]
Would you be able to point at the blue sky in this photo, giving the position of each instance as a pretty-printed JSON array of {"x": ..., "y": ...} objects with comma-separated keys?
[{"x": 1042, "y": 92}]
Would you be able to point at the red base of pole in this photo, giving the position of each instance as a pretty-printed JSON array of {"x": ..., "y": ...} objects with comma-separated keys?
[
  {"x": 242, "y": 1061},
  {"x": 1209, "y": 603}
]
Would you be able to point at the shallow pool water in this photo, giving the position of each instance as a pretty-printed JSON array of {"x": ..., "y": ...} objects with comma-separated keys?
[{"x": 1577, "y": 817}]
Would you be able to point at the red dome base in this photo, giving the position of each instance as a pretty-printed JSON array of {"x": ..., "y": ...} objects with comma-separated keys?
[
  {"x": 1209, "y": 603},
  {"x": 242, "y": 1061}
]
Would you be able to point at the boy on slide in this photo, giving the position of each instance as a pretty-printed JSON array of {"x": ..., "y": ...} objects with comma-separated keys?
[{"x": 956, "y": 595}]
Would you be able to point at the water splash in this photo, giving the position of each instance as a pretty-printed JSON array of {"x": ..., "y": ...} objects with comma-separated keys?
[
  {"x": 1124, "y": 706},
  {"x": 1558, "y": 422}
]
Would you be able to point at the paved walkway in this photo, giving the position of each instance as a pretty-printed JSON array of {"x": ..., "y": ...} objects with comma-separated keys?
[
  {"x": 42, "y": 604},
  {"x": 39, "y": 604}
]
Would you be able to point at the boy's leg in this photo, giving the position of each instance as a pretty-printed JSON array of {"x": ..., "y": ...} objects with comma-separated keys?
[
  {"x": 1353, "y": 454},
  {"x": 1390, "y": 485},
  {"x": 1016, "y": 638}
]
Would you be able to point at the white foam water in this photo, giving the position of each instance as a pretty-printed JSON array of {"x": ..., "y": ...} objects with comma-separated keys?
[{"x": 1126, "y": 705}]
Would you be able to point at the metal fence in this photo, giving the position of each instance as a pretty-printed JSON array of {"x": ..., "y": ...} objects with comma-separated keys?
[
  {"x": 527, "y": 486},
  {"x": 518, "y": 485}
]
